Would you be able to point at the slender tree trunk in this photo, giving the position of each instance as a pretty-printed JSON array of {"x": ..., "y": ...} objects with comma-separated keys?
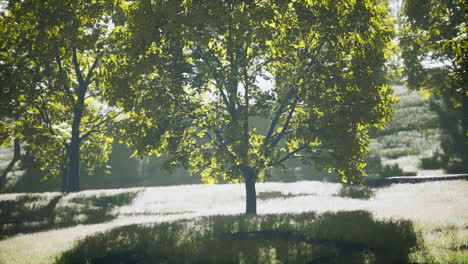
[
  {"x": 16, "y": 149},
  {"x": 250, "y": 177},
  {"x": 78, "y": 110},
  {"x": 74, "y": 170},
  {"x": 11, "y": 165},
  {"x": 65, "y": 178},
  {"x": 74, "y": 150},
  {"x": 74, "y": 147},
  {"x": 464, "y": 123}
]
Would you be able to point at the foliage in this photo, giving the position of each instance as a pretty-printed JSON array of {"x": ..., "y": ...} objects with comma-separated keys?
[
  {"x": 433, "y": 40},
  {"x": 51, "y": 55},
  {"x": 375, "y": 168},
  {"x": 342, "y": 237},
  {"x": 437, "y": 161},
  {"x": 454, "y": 155},
  {"x": 192, "y": 83}
]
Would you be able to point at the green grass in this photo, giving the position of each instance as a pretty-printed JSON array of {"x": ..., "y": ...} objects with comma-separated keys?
[
  {"x": 342, "y": 237},
  {"x": 437, "y": 210},
  {"x": 442, "y": 244}
]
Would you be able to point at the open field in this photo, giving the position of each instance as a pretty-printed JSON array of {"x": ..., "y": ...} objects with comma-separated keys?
[{"x": 439, "y": 211}]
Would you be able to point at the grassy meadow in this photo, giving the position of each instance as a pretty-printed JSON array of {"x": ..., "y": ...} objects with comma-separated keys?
[
  {"x": 310, "y": 221},
  {"x": 414, "y": 134}
]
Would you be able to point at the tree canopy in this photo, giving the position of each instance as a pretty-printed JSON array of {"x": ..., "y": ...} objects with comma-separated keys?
[
  {"x": 434, "y": 43},
  {"x": 194, "y": 76},
  {"x": 51, "y": 55}
]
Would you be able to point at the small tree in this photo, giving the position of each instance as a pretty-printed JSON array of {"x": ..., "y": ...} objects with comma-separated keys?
[
  {"x": 192, "y": 75},
  {"x": 51, "y": 54}
]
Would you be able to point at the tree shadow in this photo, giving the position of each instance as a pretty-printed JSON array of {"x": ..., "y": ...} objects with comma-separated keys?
[
  {"x": 279, "y": 195},
  {"x": 355, "y": 192},
  {"x": 342, "y": 237},
  {"x": 32, "y": 212}
]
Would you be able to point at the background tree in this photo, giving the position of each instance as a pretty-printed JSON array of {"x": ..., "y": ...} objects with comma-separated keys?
[
  {"x": 190, "y": 75},
  {"x": 434, "y": 38},
  {"x": 9, "y": 107},
  {"x": 51, "y": 54}
]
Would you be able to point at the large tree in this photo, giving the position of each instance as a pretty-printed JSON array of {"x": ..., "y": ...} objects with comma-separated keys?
[
  {"x": 51, "y": 55},
  {"x": 434, "y": 43},
  {"x": 196, "y": 75}
]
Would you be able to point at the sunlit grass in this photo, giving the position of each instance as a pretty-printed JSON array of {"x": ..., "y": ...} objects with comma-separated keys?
[{"x": 431, "y": 206}]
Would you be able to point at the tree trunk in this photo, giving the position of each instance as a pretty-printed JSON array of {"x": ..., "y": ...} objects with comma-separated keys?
[
  {"x": 250, "y": 177},
  {"x": 75, "y": 142},
  {"x": 74, "y": 170},
  {"x": 464, "y": 123},
  {"x": 65, "y": 178},
  {"x": 16, "y": 149},
  {"x": 11, "y": 165},
  {"x": 74, "y": 149}
]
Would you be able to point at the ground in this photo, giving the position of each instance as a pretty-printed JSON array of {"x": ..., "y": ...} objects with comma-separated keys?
[{"x": 439, "y": 211}]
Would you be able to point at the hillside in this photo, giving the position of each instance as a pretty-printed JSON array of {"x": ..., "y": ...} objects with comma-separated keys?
[{"x": 412, "y": 135}]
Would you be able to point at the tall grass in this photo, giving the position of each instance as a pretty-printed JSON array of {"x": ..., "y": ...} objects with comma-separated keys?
[{"x": 343, "y": 237}]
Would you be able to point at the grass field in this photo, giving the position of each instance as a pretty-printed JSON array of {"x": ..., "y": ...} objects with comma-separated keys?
[
  {"x": 414, "y": 133},
  {"x": 438, "y": 211}
]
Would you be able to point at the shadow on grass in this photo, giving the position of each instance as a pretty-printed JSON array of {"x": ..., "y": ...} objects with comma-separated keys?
[
  {"x": 355, "y": 192},
  {"x": 33, "y": 213},
  {"x": 343, "y": 237},
  {"x": 279, "y": 195}
]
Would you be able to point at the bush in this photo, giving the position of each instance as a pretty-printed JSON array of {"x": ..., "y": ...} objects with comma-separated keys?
[
  {"x": 355, "y": 192},
  {"x": 343, "y": 237},
  {"x": 437, "y": 161},
  {"x": 375, "y": 168}
]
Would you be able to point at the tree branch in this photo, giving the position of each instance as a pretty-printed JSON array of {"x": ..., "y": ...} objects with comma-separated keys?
[
  {"x": 291, "y": 154},
  {"x": 95, "y": 126},
  {"x": 286, "y": 123},
  {"x": 91, "y": 70},
  {"x": 44, "y": 113},
  {"x": 76, "y": 65},
  {"x": 65, "y": 87},
  {"x": 222, "y": 144},
  {"x": 218, "y": 80},
  {"x": 277, "y": 116}
]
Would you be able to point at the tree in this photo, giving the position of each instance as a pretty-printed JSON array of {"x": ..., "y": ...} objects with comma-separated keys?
[
  {"x": 433, "y": 39},
  {"x": 51, "y": 56},
  {"x": 190, "y": 74}
]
